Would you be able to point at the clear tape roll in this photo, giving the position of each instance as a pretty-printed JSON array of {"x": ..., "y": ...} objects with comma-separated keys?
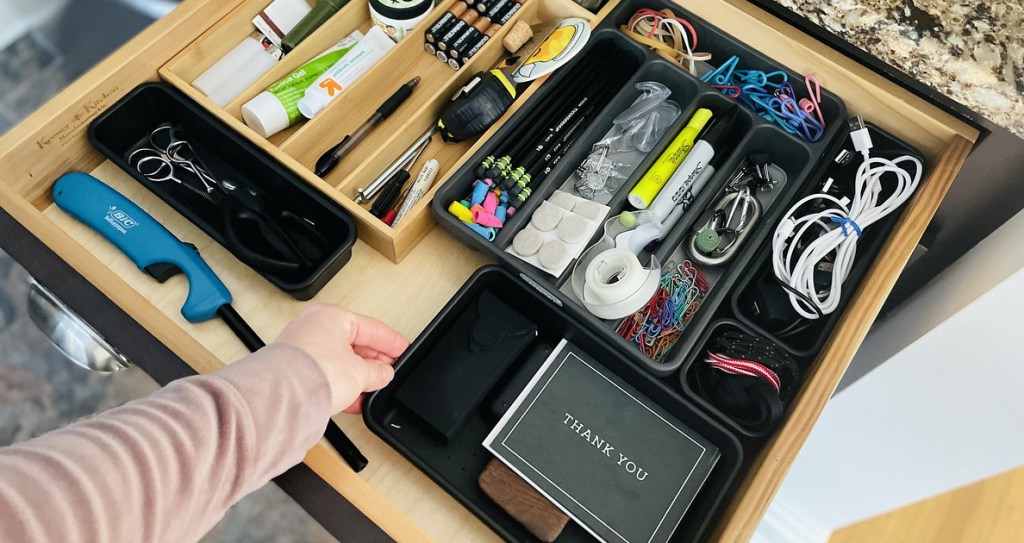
[{"x": 612, "y": 283}]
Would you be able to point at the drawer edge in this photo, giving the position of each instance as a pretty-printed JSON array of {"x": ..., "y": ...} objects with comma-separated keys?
[{"x": 769, "y": 468}]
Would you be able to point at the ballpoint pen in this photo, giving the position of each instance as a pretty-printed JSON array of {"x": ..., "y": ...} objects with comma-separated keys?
[{"x": 333, "y": 156}]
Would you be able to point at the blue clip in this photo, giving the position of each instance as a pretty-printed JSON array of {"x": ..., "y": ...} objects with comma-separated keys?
[
  {"x": 843, "y": 221},
  {"x": 780, "y": 73},
  {"x": 719, "y": 75}
]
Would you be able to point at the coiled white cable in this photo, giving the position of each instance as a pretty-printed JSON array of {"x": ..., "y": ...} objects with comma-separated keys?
[{"x": 841, "y": 223}]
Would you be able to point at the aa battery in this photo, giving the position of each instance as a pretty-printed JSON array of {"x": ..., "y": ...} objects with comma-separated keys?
[
  {"x": 445, "y": 22},
  {"x": 469, "y": 37},
  {"x": 460, "y": 56},
  {"x": 464, "y": 22},
  {"x": 472, "y": 48},
  {"x": 472, "y": 35}
]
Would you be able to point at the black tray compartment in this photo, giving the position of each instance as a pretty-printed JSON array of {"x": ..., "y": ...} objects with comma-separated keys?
[
  {"x": 126, "y": 126},
  {"x": 809, "y": 341},
  {"x": 457, "y": 465}
]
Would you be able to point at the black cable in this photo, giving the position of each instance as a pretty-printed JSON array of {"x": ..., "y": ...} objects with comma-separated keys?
[{"x": 800, "y": 324}]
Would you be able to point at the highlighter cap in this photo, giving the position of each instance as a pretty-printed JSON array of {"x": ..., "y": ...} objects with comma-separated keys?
[
  {"x": 700, "y": 119},
  {"x": 650, "y": 185},
  {"x": 265, "y": 114}
]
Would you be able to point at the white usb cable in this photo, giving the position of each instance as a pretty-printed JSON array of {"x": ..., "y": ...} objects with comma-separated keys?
[{"x": 838, "y": 227}]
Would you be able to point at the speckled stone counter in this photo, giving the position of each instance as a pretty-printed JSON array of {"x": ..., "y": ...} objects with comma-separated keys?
[{"x": 971, "y": 51}]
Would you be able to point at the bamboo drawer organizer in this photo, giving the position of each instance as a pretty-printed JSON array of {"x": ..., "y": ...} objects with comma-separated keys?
[
  {"x": 300, "y": 145},
  {"x": 392, "y": 492}
]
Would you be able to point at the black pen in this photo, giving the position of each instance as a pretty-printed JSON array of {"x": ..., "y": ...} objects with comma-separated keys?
[{"x": 330, "y": 159}]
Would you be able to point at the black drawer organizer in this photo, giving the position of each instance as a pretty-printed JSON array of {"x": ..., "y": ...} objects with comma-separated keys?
[
  {"x": 551, "y": 301},
  {"x": 126, "y": 127}
]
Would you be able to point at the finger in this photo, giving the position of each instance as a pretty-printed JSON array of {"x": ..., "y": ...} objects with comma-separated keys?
[
  {"x": 357, "y": 406},
  {"x": 373, "y": 355},
  {"x": 377, "y": 376},
  {"x": 370, "y": 332}
]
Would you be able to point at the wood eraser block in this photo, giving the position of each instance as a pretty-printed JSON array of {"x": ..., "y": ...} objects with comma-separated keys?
[{"x": 520, "y": 500}]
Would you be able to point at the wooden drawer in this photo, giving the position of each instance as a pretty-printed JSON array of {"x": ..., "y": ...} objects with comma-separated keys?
[{"x": 391, "y": 492}]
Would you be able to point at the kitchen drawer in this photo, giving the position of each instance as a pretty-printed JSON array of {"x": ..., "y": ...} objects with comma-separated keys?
[{"x": 391, "y": 491}]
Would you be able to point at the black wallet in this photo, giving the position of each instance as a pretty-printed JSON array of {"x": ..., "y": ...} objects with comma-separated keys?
[{"x": 463, "y": 367}]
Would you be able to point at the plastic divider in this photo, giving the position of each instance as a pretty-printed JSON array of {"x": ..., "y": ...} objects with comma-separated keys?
[
  {"x": 721, "y": 45},
  {"x": 808, "y": 342}
]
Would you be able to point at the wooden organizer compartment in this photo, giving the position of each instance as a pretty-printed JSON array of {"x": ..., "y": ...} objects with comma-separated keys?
[
  {"x": 299, "y": 146},
  {"x": 391, "y": 491}
]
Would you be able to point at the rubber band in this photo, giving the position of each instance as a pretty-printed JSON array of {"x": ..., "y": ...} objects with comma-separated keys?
[{"x": 671, "y": 37}]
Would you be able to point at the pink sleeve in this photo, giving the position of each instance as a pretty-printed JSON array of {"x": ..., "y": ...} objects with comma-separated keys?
[{"x": 167, "y": 467}]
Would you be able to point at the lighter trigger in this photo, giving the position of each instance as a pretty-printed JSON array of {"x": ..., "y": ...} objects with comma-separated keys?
[{"x": 162, "y": 271}]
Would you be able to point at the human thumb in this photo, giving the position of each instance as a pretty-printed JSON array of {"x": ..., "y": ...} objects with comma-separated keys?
[{"x": 376, "y": 376}]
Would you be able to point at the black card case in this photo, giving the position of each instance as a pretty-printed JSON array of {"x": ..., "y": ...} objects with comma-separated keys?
[{"x": 465, "y": 364}]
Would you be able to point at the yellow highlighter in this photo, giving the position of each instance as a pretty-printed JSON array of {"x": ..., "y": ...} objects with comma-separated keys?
[{"x": 651, "y": 183}]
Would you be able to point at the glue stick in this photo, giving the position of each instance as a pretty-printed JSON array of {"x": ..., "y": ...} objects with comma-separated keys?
[{"x": 659, "y": 173}]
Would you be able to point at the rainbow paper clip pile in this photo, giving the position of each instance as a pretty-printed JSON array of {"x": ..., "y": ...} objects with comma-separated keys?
[
  {"x": 657, "y": 326},
  {"x": 773, "y": 97}
]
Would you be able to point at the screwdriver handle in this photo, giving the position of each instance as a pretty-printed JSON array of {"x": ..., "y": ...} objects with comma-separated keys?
[{"x": 388, "y": 194}]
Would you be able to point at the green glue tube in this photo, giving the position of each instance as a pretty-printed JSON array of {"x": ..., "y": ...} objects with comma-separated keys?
[
  {"x": 323, "y": 10},
  {"x": 277, "y": 108}
]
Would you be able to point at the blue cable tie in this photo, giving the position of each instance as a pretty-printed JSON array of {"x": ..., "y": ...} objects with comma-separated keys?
[{"x": 843, "y": 221}]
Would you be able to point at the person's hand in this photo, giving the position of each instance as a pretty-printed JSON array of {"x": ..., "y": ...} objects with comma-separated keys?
[{"x": 356, "y": 352}]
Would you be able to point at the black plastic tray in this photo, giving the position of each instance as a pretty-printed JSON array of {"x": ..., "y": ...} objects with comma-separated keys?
[
  {"x": 722, "y": 46},
  {"x": 457, "y": 465},
  {"x": 752, "y": 440},
  {"x": 796, "y": 157},
  {"x": 124, "y": 125},
  {"x": 807, "y": 343}
]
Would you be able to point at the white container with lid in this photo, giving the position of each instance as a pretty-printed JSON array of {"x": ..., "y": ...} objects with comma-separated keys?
[{"x": 397, "y": 18}]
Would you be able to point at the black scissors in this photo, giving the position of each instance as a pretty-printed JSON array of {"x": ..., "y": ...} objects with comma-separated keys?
[{"x": 263, "y": 235}]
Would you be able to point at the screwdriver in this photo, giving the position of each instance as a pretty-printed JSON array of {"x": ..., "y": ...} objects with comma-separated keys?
[
  {"x": 155, "y": 250},
  {"x": 333, "y": 156},
  {"x": 393, "y": 187}
]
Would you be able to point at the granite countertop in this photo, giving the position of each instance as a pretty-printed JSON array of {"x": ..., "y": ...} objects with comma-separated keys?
[{"x": 971, "y": 51}]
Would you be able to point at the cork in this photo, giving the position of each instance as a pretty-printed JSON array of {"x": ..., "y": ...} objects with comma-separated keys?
[{"x": 518, "y": 35}]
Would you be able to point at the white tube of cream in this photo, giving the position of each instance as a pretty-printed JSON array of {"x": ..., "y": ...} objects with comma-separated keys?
[{"x": 346, "y": 71}]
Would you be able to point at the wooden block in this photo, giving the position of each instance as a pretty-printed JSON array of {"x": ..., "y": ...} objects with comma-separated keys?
[{"x": 522, "y": 501}]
